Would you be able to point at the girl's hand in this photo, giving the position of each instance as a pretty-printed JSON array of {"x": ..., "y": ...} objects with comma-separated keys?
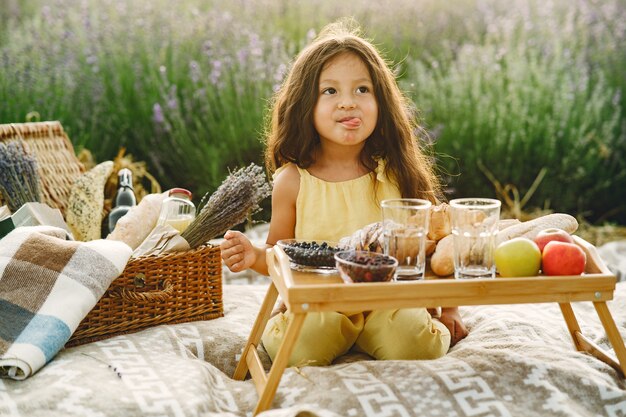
[
  {"x": 237, "y": 251},
  {"x": 451, "y": 318}
]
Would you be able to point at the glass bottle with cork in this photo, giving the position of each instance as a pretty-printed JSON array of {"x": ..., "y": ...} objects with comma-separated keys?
[
  {"x": 125, "y": 197},
  {"x": 177, "y": 209}
]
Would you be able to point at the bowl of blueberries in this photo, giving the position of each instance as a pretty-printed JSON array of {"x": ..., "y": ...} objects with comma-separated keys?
[
  {"x": 310, "y": 255},
  {"x": 364, "y": 266}
]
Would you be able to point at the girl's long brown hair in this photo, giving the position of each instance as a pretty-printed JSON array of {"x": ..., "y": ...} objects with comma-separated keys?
[{"x": 291, "y": 136}]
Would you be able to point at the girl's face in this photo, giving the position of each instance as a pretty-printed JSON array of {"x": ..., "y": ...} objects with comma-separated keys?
[{"x": 346, "y": 110}]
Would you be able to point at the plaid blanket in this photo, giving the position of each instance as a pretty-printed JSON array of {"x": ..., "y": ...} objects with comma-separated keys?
[{"x": 47, "y": 286}]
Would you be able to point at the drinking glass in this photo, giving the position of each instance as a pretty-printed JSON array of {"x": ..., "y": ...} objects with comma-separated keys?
[
  {"x": 405, "y": 226},
  {"x": 474, "y": 227}
]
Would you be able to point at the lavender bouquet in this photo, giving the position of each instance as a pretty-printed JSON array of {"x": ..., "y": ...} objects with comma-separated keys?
[
  {"x": 234, "y": 200},
  {"x": 19, "y": 180}
]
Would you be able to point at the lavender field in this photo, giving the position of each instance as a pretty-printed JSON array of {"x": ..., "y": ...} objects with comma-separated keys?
[{"x": 523, "y": 98}]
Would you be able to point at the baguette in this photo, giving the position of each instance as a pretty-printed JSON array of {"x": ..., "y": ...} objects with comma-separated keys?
[
  {"x": 504, "y": 223},
  {"x": 136, "y": 225},
  {"x": 530, "y": 228},
  {"x": 442, "y": 261}
]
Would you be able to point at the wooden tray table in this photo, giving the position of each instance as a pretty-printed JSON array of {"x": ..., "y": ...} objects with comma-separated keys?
[{"x": 307, "y": 292}]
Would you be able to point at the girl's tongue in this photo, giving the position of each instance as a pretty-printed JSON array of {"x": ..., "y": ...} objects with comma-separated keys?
[{"x": 351, "y": 122}]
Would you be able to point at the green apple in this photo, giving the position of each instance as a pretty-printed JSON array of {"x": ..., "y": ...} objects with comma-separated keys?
[{"x": 518, "y": 257}]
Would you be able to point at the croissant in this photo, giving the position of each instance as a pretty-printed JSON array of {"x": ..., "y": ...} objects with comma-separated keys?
[{"x": 368, "y": 238}]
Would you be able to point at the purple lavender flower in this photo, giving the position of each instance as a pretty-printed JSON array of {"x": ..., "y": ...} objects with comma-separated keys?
[
  {"x": 280, "y": 72},
  {"x": 242, "y": 56},
  {"x": 194, "y": 71},
  {"x": 255, "y": 45},
  {"x": 207, "y": 47},
  {"x": 216, "y": 72},
  {"x": 617, "y": 97},
  {"x": 157, "y": 114},
  {"x": 172, "y": 100},
  {"x": 19, "y": 178},
  {"x": 310, "y": 35},
  {"x": 46, "y": 13}
]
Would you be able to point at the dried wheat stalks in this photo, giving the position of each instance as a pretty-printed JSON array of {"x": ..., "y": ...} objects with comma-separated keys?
[{"x": 235, "y": 199}]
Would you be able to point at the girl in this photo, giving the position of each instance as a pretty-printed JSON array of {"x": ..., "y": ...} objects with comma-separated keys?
[{"x": 340, "y": 141}]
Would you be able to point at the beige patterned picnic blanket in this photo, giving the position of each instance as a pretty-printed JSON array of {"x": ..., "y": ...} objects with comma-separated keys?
[{"x": 517, "y": 361}]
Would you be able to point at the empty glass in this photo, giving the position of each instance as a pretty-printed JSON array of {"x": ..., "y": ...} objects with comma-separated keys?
[
  {"x": 474, "y": 227},
  {"x": 405, "y": 226}
]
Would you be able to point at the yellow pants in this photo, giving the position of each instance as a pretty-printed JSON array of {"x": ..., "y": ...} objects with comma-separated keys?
[{"x": 386, "y": 334}]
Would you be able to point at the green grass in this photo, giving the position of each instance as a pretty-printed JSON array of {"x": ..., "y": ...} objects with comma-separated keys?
[{"x": 515, "y": 86}]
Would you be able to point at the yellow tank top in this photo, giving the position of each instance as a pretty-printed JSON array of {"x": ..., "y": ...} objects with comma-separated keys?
[{"x": 332, "y": 210}]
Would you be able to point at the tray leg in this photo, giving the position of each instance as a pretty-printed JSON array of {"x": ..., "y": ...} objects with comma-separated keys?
[
  {"x": 572, "y": 325},
  {"x": 280, "y": 363},
  {"x": 584, "y": 344},
  {"x": 257, "y": 331},
  {"x": 612, "y": 333}
]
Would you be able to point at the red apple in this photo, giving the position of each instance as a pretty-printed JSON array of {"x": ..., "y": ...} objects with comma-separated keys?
[
  {"x": 562, "y": 258},
  {"x": 548, "y": 235}
]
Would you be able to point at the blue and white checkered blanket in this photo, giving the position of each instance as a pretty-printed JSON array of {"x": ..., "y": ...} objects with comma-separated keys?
[{"x": 47, "y": 286}]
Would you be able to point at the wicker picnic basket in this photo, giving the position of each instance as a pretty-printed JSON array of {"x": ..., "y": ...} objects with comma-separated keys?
[
  {"x": 57, "y": 165},
  {"x": 173, "y": 288}
]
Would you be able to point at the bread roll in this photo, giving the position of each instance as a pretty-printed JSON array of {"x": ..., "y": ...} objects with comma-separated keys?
[
  {"x": 430, "y": 247},
  {"x": 439, "y": 226},
  {"x": 442, "y": 261}
]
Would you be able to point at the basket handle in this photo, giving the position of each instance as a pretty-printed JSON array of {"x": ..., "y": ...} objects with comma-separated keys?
[
  {"x": 148, "y": 296},
  {"x": 20, "y": 138}
]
